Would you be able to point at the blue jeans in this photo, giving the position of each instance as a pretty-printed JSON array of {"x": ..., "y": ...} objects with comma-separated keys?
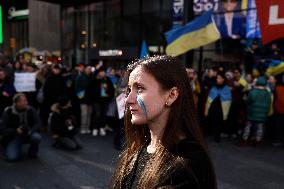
[{"x": 14, "y": 147}]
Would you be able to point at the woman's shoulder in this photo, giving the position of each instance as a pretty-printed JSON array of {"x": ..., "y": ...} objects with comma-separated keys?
[
  {"x": 188, "y": 149},
  {"x": 193, "y": 153},
  {"x": 197, "y": 161}
]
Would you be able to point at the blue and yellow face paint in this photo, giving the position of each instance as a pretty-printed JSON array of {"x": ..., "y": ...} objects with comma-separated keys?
[{"x": 142, "y": 105}]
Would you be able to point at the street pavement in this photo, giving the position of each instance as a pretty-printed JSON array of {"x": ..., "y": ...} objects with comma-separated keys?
[{"x": 92, "y": 167}]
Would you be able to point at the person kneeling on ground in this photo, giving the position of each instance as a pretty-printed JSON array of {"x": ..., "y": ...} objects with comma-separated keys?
[
  {"x": 20, "y": 125},
  {"x": 63, "y": 125}
]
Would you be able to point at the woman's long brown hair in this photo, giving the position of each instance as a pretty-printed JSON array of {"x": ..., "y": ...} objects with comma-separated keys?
[{"x": 169, "y": 72}]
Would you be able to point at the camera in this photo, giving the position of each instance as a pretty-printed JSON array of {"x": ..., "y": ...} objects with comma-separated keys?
[{"x": 25, "y": 129}]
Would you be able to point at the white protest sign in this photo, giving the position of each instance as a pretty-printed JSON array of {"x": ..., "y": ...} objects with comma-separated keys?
[
  {"x": 25, "y": 82},
  {"x": 120, "y": 102}
]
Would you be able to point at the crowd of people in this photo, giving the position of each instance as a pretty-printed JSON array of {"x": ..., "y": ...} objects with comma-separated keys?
[
  {"x": 68, "y": 102},
  {"x": 240, "y": 106}
]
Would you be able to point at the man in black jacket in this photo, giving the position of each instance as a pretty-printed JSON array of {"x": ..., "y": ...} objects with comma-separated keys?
[
  {"x": 20, "y": 125},
  {"x": 54, "y": 87},
  {"x": 7, "y": 91},
  {"x": 102, "y": 94}
]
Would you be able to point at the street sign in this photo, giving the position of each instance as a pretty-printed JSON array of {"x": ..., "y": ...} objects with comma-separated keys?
[{"x": 18, "y": 14}]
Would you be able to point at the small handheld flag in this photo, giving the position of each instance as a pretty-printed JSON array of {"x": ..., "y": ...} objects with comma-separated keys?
[{"x": 144, "y": 50}]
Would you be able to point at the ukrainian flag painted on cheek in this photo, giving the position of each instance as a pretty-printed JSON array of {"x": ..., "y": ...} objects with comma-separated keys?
[{"x": 197, "y": 33}]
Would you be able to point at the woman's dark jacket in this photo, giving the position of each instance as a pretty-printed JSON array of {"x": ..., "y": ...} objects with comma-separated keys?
[
  {"x": 199, "y": 175},
  {"x": 96, "y": 86}
]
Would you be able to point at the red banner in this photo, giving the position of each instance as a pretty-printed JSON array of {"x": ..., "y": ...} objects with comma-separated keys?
[{"x": 271, "y": 19}]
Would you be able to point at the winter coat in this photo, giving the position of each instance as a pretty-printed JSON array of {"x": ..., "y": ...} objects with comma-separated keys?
[
  {"x": 9, "y": 88},
  {"x": 83, "y": 88},
  {"x": 62, "y": 121},
  {"x": 200, "y": 175},
  {"x": 102, "y": 89},
  {"x": 54, "y": 87},
  {"x": 258, "y": 104},
  {"x": 11, "y": 121}
]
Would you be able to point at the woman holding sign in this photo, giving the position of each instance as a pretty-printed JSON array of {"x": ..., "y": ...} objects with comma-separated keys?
[{"x": 164, "y": 145}]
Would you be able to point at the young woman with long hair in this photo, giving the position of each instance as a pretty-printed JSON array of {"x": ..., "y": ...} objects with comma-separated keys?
[{"x": 164, "y": 146}]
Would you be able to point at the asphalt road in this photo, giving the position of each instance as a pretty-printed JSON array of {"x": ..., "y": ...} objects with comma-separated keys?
[{"x": 91, "y": 168}]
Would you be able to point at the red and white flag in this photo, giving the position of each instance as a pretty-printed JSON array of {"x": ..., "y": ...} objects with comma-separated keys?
[{"x": 271, "y": 19}]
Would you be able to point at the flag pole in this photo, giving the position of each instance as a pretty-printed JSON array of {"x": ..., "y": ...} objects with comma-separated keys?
[
  {"x": 188, "y": 16},
  {"x": 200, "y": 62}
]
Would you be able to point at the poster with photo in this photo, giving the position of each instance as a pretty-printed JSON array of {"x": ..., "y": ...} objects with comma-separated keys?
[
  {"x": 228, "y": 15},
  {"x": 231, "y": 19}
]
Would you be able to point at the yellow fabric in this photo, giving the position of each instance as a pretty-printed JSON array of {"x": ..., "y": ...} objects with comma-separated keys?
[
  {"x": 244, "y": 83},
  {"x": 196, "y": 93},
  {"x": 207, "y": 106},
  {"x": 271, "y": 106},
  {"x": 226, "y": 105},
  {"x": 275, "y": 70},
  {"x": 244, "y": 6},
  {"x": 226, "y": 108},
  {"x": 193, "y": 40}
]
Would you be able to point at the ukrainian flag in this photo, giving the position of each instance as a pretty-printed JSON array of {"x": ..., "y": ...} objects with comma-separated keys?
[
  {"x": 275, "y": 67},
  {"x": 81, "y": 94},
  {"x": 197, "y": 33},
  {"x": 144, "y": 50}
]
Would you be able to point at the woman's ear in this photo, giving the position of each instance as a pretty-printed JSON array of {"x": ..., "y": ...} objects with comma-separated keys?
[{"x": 173, "y": 95}]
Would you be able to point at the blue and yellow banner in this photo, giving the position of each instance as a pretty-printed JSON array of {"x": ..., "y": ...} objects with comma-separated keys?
[
  {"x": 197, "y": 33},
  {"x": 275, "y": 67}
]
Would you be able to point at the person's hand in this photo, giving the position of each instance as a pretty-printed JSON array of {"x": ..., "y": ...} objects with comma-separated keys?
[
  {"x": 236, "y": 83},
  {"x": 70, "y": 127},
  {"x": 55, "y": 136},
  {"x": 100, "y": 64},
  {"x": 19, "y": 131},
  {"x": 4, "y": 93},
  {"x": 234, "y": 36},
  {"x": 68, "y": 122},
  {"x": 206, "y": 114}
]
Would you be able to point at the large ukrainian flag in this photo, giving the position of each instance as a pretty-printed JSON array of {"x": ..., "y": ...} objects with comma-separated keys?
[{"x": 197, "y": 33}]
